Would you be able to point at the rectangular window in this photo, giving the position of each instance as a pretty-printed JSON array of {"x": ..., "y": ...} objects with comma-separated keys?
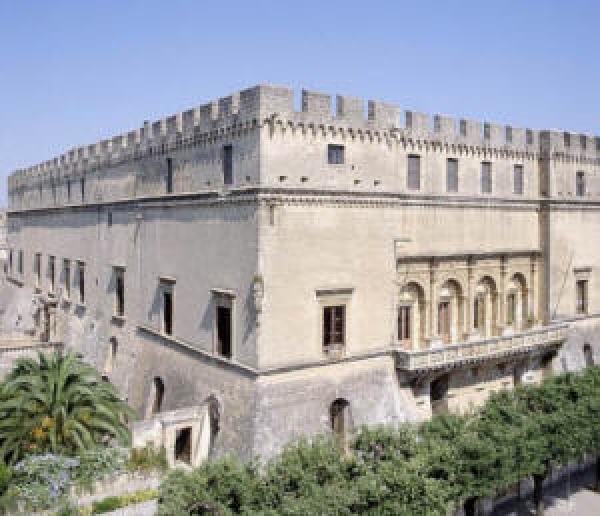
[
  {"x": 582, "y": 296},
  {"x": 529, "y": 137},
  {"x": 68, "y": 190},
  {"x": 334, "y": 325},
  {"x": 52, "y": 273},
  {"x": 479, "y": 312},
  {"x": 413, "y": 179},
  {"x": 486, "y": 131},
  {"x": 20, "y": 263},
  {"x": 335, "y": 154},
  {"x": 452, "y": 175},
  {"x": 580, "y": 184},
  {"x": 10, "y": 261},
  {"x": 511, "y": 308},
  {"x": 518, "y": 179},
  {"x": 81, "y": 281},
  {"x": 224, "y": 331},
  {"x": 228, "y": 164},
  {"x": 486, "y": 177},
  {"x": 509, "y": 134},
  {"x": 119, "y": 275},
  {"x": 567, "y": 138},
  {"x": 167, "y": 310},
  {"x": 463, "y": 127},
  {"x": 67, "y": 278},
  {"x": 169, "y": 175},
  {"x": 404, "y": 323},
  {"x": 37, "y": 269},
  {"x": 82, "y": 188}
]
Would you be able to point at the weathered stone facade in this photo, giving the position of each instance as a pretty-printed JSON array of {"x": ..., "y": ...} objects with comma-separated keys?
[{"x": 303, "y": 270}]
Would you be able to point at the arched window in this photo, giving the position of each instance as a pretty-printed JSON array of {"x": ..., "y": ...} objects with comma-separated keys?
[
  {"x": 580, "y": 183},
  {"x": 484, "y": 308},
  {"x": 156, "y": 396},
  {"x": 411, "y": 316},
  {"x": 450, "y": 312},
  {"x": 588, "y": 355},
  {"x": 112, "y": 355},
  {"x": 339, "y": 413}
]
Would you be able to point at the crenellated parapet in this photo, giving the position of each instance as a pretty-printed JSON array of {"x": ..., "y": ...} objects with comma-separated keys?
[{"x": 265, "y": 104}]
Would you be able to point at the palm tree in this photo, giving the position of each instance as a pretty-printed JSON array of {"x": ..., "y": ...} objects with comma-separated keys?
[{"x": 58, "y": 404}]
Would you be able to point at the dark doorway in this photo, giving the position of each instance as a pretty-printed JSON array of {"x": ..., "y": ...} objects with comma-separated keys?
[
  {"x": 158, "y": 388},
  {"x": 183, "y": 445},
  {"x": 438, "y": 394}
]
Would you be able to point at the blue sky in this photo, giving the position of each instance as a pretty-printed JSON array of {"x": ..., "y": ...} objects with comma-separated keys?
[{"x": 73, "y": 72}]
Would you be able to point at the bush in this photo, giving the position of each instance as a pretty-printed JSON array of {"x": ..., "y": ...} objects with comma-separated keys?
[
  {"x": 6, "y": 474},
  {"x": 147, "y": 459},
  {"x": 113, "y": 503}
]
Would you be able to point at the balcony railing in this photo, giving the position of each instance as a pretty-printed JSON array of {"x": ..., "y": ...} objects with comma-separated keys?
[{"x": 479, "y": 350}]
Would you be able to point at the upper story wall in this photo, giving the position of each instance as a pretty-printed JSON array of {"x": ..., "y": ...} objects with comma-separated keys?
[{"x": 273, "y": 144}]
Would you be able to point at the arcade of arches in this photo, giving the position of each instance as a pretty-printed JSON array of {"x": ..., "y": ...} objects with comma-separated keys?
[{"x": 453, "y": 299}]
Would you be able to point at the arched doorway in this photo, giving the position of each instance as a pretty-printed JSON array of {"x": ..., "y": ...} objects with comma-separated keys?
[
  {"x": 157, "y": 394},
  {"x": 588, "y": 355},
  {"x": 485, "y": 308},
  {"x": 339, "y": 417},
  {"x": 438, "y": 394},
  {"x": 411, "y": 316},
  {"x": 450, "y": 312}
]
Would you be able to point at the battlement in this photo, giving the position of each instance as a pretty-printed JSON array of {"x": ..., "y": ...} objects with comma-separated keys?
[{"x": 256, "y": 104}]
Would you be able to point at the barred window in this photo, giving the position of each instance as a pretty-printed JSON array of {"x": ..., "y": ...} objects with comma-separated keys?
[
  {"x": 518, "y": 179},
  {"x": 413, "y": 179},
  {"x": 486, "y": 177},
  {"x": 452, "y": 175}
]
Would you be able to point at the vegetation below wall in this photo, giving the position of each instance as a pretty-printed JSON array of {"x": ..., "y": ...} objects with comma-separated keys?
[{"x": 423, "y": 470}]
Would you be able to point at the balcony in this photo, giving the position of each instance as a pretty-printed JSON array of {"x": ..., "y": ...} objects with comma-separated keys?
[{"x": 456, "y": 355}]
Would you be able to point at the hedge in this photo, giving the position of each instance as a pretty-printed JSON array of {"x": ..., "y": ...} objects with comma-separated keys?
[{"x": 426, "y": 469}]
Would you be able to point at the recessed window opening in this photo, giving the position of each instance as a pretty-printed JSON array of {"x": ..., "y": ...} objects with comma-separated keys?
[
  {"x": 518, "y": 179},
  {"x": 169, "y": 184},
  {"x": 37, "y": 269},
  {"x": 404, "y": 323},
  {"x": 81, "y": 281},
  {"x": 228, "y": 164},
  {"x": 486, "y": 177},
  {"x": 82, "y": 188},
  {"x": 452, "y": 175},
  {"x": 20, "y": 263},
  {"x": 119, "y": 274},
  {"x": 582, "y": 297},
  {"x": 413, "y": 178},
  {"x": 334, "y": 326},
  {"x": 224, "y": 331},
  {"x": 67, "y": 278},
  {"x": 167, "y": 321},
  {"x": 580, "y": 184},
  {"x": 335, "y": 154},
  {"x": 157, "y": 395},
  {"x": 51, "y": 273}
]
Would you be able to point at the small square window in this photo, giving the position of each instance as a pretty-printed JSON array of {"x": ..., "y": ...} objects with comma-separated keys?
[{"x": 335, "y": 154}]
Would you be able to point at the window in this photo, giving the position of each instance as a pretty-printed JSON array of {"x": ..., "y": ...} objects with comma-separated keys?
[
  {"x": 183, "y": 445},
  {"x": 413, "y": 179},
  {"x": 582, "y": 296},
  {"x": 228, "y": 164},
  {"x": 10, "y": 261},
  {"x": 67, "y": 278},
  {"x": 583, "y": 141},
  {"x": 511, "y": 308},
  {"x": 82, "y": 188},
  {"x": 167, "y": 310},
  {"x": 452, "y": 175},
  {"x": 486, "y": 177},
  {"x": 518, "y": 179},
  {"x": 51, "y": 272},
  {"x": 567, "y": 137},
  {"x": 223, "y": 329},
  {"x": 444, "y": 320},
  {"x": 486, "y": 131},
  {"x": 580, "y": 184},
  {"x": 529, "y": 137},
  {"x": 169, "y": 175},
  {"x": 81, "y": 281},
  {"x": 509, "y": 134},
  {"x": 340, "y": 420},
  {"x": 404, "y": 323},
  {"x": 68, "y": 190},
  {"x": 37, "y": 269},
  {"x": 157, "y": 395},
  {"x": 119, "y": 275},
  {"x": 109, "y": 219},
  {"x": 463, "y": 127},
  {"x": 334, "y": 325},
  {"x": 335, "y": 154},
  {"x": 588, "y": 355},
  {"x": 20, "y": 263}
]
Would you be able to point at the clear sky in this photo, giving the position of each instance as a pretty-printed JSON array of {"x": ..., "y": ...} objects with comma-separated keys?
[{"x": 73, "y": 72}]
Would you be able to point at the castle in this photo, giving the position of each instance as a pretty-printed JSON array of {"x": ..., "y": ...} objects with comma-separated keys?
[{"x": 287, "y": 272}]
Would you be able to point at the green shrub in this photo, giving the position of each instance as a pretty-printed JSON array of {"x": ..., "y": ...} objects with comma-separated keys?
[
  {"x": 147, "y": 459},
  {"x": 97, "y": 464},
  {"x": 113, "y": 503},
  {"x": 6, "y": 474}
]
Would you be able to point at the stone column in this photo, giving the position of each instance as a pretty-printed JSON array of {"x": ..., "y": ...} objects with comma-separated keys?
[
  {"x": 470, "y": 300},
  {"x": 534, "y": 308},
  {"x": 434, "y": 338},
  {"x": 501, "y": 301}
]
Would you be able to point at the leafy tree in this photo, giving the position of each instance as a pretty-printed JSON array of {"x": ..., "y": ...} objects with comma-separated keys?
[{"x": 58, "y": 404}]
